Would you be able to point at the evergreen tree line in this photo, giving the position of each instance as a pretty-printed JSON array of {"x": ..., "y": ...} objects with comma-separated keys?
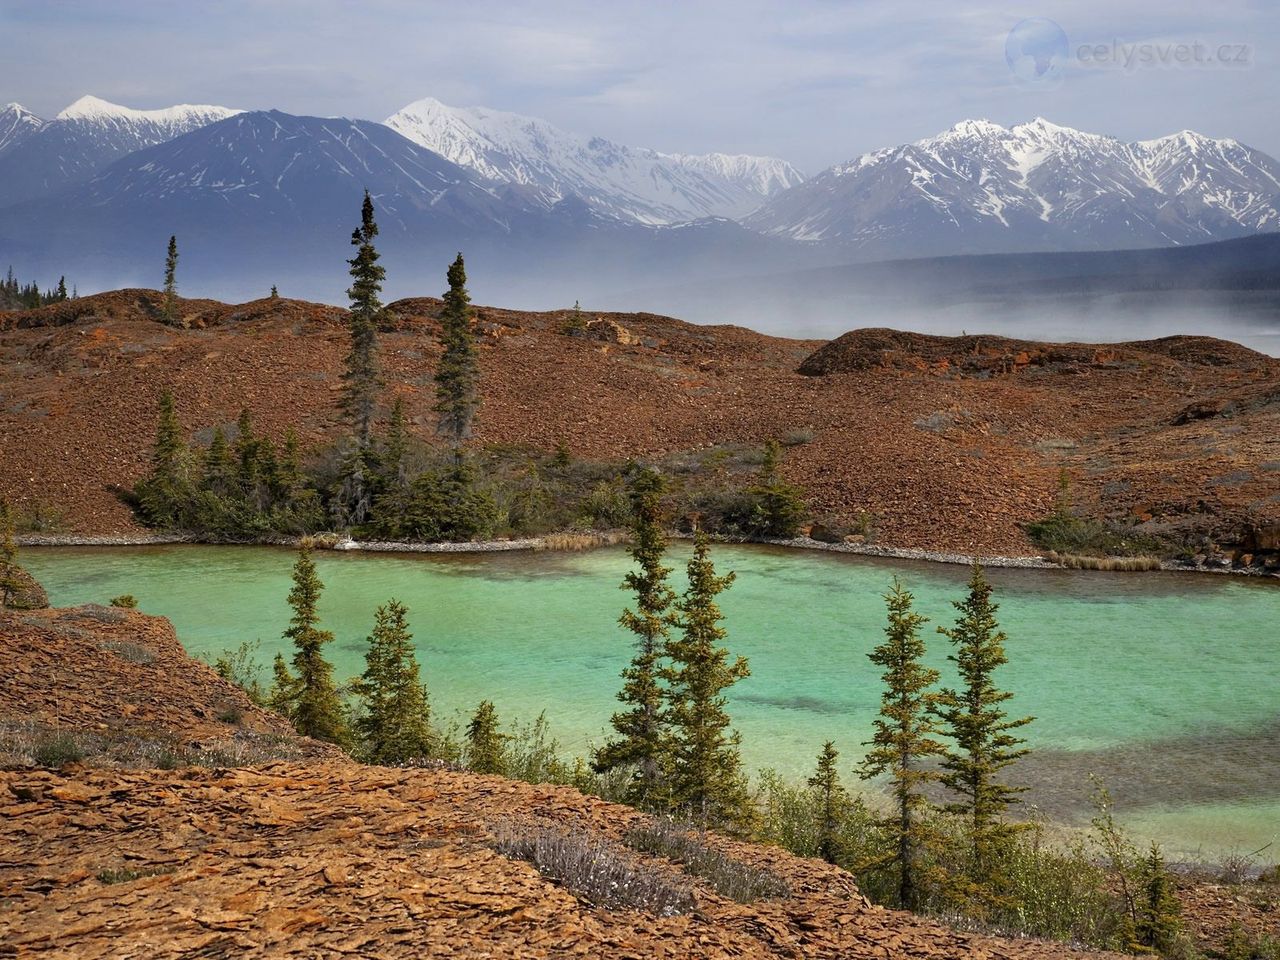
[
  {"x": 381, "y": 482},
  {"x": 28, "y": 296}
]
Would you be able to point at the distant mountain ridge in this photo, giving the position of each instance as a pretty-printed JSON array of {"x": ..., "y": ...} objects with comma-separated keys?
[
  {"x": 81, "y": 140},
  {"x": 980, "y": 187},
  {"x": 634, "y": 183},
  {"x": 548, "y": 217}
]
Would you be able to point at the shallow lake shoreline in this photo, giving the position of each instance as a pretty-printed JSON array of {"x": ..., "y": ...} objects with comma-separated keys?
[{"x": 333, "y": 542}]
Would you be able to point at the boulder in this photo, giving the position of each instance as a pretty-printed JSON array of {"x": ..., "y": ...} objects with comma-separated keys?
[
  {"x": 825, "y": 534},
  {"x": 27, "y": 592}
]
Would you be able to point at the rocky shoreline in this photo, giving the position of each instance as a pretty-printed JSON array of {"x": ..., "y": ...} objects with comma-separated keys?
[{"x": 335, "y": 542}]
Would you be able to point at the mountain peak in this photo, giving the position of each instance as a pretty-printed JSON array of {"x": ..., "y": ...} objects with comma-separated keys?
[
  {"x": 977, "y": 128},
  {"x": 90, "y": 107}
]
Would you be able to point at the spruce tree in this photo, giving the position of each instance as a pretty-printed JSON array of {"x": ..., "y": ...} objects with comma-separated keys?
[
  {"x": 360, "y": 378},
  {"x": 395, "y": 728},
  {"x": 833, "y": 803},
  {"x": 706, "y": 780},
  {"x": 289, "y": 480},
  {"x": 171, "y": 281},
  {"x": 169, "y": 454},
  {"x": 275, "y": 294},
  {"x": 459, "y": 371},
  {"x": 905, "y": 737},
  {"x": 219, "y": 466},
  {"x": 61, "y": 293},
  {"x": 486, "y": 746},
  {"x": 1157, "y": 924},
  {"x": 315, "y": 707},
  {"x": 778, "y": 505},
  {"x": 283, "y": 692},
  {"x": 164, "y": 496},
  {"x": 974, "y": 717},
  {"x": 642, "y": 744},
  {"x": 395, "y": 448},
  {"x": 11, "y": 581}
]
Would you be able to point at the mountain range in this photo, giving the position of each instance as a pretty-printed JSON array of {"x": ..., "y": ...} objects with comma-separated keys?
[
  {"x": 548, "y": 216},
  {"x": 980, "y": 187},
  {"x": 627, "y": 182}
]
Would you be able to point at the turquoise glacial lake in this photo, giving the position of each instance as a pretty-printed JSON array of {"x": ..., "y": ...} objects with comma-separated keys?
[{"x": 1167, "y": 686}]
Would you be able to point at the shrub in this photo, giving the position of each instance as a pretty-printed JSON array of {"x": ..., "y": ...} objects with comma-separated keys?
[
  {"x": 1067, "y": 534},
  {"x": 241, "y": 667},
  {"x": 529, "y": 753},
  {"x": 686, "y": 845},
  {"x": 125, "y": 601},
  {"x": 600, "y": 872},
  {"x": 128, "y": 874},
  {"x": 799, "y": 437},
  {"x": 57, "y": 751}
]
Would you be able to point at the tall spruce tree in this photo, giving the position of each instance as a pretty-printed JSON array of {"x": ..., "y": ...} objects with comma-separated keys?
[
  {"x": 486, "y": 746},
  {"x": 459, "y": 371},
  {"x": 706, "y": 777},
  {"x": 164, "y": 495},
  {"x": 905, "y": 737},
  {"x": 171, "y": 281},
  {"x": 974, "y": 717},
  {"x": 315, "y": 708},
  {"x": 395, "y": 727},
  {"x": 360, "y": 378},
  {"x": 642, "y": 744},
  {"x": 833, "y": 803}
]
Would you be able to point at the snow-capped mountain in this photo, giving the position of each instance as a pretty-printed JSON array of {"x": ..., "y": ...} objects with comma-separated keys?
[
  {"x": 84, "y": 138},
  {"x": 629, "y": 182},
  {"x": 980, "y": 187},
  {"x": 288, "y": 172},
  {"x": 17, "y": 124}
]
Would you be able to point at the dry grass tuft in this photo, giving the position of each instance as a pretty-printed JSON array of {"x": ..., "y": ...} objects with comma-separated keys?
[
  {"x": 1074, "y": 561},
  {"x": 599, "y": 871},
  {"x": 573, "y": 541},
  {"x": 687, "y": 845}
]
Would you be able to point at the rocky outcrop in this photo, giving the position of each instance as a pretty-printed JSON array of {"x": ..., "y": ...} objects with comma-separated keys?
[{"x": 27, "y": 594}]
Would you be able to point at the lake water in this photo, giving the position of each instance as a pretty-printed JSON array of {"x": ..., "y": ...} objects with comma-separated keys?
[{"x": 1166, "y": 685}]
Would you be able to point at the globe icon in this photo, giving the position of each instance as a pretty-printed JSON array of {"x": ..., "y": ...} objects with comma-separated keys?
[{"x": 1036, "y": 51}]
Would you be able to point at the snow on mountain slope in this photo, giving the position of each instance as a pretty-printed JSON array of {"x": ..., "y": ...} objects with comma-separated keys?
[
  {"x": 17, "y": 124},
  {"x": 85, "y": 137},
  {"x": 272, "y": 168},
  {"x": 629, "y": 182},
  {"x": 980, "y": 187}
]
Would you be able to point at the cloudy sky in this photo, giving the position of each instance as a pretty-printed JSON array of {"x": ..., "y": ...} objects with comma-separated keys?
[{"x": 814, "y": 81}]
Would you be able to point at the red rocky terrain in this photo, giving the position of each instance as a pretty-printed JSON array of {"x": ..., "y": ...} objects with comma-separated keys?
[
  {"x": 319, "y": 856},
  {"x": 949, "y": 443}
]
